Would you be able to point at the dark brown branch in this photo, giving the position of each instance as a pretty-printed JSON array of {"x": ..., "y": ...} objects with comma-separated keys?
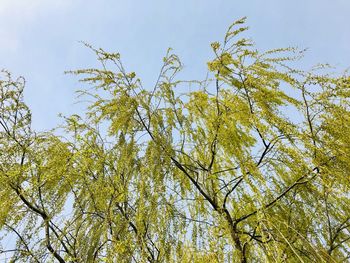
[
  {"x": 284, "y": 193},
  {"x": 48, "y": 243},
  {"x": 23, "y": 241}
]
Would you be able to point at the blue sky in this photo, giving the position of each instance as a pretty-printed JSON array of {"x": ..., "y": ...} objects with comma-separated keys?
[{"x": 39, "y": 39}]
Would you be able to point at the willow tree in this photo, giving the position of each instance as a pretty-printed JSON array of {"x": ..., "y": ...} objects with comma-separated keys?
[{"x": 250, "y": 164}]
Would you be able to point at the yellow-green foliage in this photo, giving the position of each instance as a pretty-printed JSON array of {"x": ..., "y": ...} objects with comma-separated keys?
[{"x": 251, "y": 164}]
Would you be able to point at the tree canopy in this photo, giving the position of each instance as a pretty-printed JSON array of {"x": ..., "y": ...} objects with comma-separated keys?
[{"x": 249, "y": 164}]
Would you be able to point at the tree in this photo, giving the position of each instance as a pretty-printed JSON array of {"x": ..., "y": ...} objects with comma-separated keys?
[{"x": 251, "y": 164}]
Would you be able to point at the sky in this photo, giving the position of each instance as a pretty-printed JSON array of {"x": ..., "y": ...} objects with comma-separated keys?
[{"x": 40, "y": 39}]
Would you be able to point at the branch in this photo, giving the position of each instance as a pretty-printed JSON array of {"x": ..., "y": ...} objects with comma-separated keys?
[
  {"x": 284, "y": 193},
  {"x": 23, "y": 241},
  {"x": 48, "y": 243}
]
